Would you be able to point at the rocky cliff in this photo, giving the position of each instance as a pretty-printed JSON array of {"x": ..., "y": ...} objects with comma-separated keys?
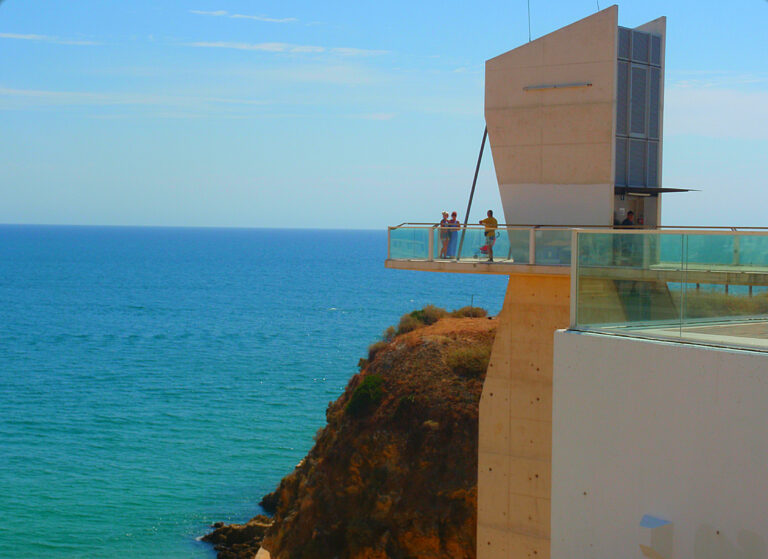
[{"x": 393, "y": 474}]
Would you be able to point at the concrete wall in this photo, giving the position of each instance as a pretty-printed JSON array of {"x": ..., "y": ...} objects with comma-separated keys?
[
  {"x": 515, "y": 438},
  {"x": 545, "y": 141},
  {"x": 671, "y": 430}
]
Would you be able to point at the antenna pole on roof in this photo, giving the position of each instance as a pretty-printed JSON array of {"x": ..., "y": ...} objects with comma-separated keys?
[
  {"x": 472, "y": 193},
  {"x": 529, "y": 21}
]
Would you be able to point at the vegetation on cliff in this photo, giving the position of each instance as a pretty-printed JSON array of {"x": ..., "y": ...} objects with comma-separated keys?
[{"x": 394, "y": 472}]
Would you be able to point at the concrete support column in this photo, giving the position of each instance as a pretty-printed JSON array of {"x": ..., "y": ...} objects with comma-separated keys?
[{"x": 515, "y": 439}]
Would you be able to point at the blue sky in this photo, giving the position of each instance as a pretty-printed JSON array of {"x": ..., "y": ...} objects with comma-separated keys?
[{"x": 331, "y": 114}]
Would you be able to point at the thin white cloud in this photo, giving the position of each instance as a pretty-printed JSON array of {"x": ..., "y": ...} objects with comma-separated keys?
[
  {"x": 266, "y": 47},
  {"x": 204, "y": 13},
  {"x": 346, "y": 51},
  {"x": 716, "y": 79},
  {"x": 46, "y": 39},
  {"x": 716, "y": 112},
  {"x": 287, "y": 48},
  {"x": 224, "y": 13},
  {"x": 11, "y": 99}
]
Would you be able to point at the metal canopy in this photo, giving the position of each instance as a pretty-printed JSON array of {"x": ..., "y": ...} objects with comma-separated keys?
[{"x": 649, "y": 190}]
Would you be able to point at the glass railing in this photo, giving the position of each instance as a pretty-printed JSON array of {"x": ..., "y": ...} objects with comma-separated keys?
[
  {"x": 411, "y": 243},
  {"x": 549, "y": 246},
  {"x": 697, "y": 286}
]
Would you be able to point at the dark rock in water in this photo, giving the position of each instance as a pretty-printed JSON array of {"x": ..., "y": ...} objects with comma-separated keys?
[
  {"x": 270, "y": 502},
  {"x": 238, "y": 541}
]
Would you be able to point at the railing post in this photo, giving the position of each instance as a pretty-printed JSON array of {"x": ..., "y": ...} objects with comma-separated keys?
[
  {"x": 532, "y": 246},
  {"x": 736, "y": 250},
  {"x": 389, "y": 243},
  {"x": 431, "y": 255},
  {"x": 574, "y": 278}
]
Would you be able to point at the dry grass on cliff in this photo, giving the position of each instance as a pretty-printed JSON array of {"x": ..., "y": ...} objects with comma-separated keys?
[{"x": 398, "y": 476}]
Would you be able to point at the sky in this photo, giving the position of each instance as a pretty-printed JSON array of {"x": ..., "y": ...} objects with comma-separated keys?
[{"x": 337, "y": 114}]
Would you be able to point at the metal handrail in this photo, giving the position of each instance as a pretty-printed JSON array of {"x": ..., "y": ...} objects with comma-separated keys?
[
  {"x": 533, "y": 236},
  {"x": 729, "y": 228}
]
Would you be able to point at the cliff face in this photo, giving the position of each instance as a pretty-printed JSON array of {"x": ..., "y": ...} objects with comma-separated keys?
[{"x": 394, "y": 472}]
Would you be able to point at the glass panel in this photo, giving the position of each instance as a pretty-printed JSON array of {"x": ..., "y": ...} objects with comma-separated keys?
[
  {"x": 622, "y": 98},
  {"x": 553, "y": 247},
  {"x": 412, "y": 243},
  {"x": 637, "y": 100},
  {"x": 654, "y": 102},
  {"x": 709, "y": 288},
  {"x": 620, "y": 284},
  {"x": 624, "y": 41},
  {"x": 621, "y": 162},
  {"x": 753, "y": 250},
  {"x": 653, "y": 164},
  {"x": 519, "y": 245},
  {"x": 478, "y": 247},
  {"x": 656, "y": 50},
  {"x": 710, "y": 249},
  {"x": 596, "y": 249},
  {"x": 637, "y": 163},
  {"x": 640, "y": 44},
  {"x": 409, "y": 242},
  {"x": 723, "y": 284}
]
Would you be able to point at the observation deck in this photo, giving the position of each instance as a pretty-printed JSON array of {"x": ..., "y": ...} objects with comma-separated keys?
[
  {"x": 695, "y": 284},
  {"x": 517, "y": 249}
]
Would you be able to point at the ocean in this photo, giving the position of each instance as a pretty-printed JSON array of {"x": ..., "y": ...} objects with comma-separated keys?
[{"x": 156, "y": 380}]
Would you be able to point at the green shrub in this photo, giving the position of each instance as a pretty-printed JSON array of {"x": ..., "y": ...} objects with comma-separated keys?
[
  {"x": 389, "y": 334},
  {"x": 405, "y": 405},
  {"x": 374, "y": 349},
  {"x": 366, "y": 396},
  {"x": 469, "y": 312},
  {"x": 469, "y": 361},
  {"x": 408, "y": 323},
  {"x": 429, "y": 314}
]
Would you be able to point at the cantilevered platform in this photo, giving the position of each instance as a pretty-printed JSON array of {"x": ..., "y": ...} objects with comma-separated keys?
[{"x": 468, "y": 266}]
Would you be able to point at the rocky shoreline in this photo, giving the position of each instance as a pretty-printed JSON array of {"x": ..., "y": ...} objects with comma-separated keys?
[{"x": 394, "y": 472}]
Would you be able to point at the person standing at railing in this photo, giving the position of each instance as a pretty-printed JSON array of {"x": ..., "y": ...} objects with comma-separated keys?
[
  {"x": 445, "y": 235},
  {"x": 453, "y": 227},
  {"x": 490, "y": 232}
]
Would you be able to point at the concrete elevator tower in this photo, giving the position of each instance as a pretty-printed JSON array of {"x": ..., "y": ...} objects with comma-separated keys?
[{"x": 575, "y": 125}]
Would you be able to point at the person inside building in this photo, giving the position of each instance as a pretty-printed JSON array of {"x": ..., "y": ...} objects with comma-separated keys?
[
  {"x": 490, "y": 232},
  {"x": 631, "y": 245}
]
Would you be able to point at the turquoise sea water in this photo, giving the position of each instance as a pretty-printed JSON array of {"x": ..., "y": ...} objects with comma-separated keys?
[{"x": 155, "y": 380}]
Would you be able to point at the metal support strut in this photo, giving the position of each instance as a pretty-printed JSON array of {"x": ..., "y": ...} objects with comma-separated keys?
[{"x": 471, "y": 194}]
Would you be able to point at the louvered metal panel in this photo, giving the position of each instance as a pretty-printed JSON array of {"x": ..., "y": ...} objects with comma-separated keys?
[
  {"x": 637, "y": 100},
  {"x": 653, "y": 164},
  {"x": 637, "y": 163},
  {"x": 656, "y": 50},
  {"x": 654, "y": 101},
  {"x": 621, "y": 162},
  {"x": 640, "y": 44},
  {"x": 624, "y": 42},
  {"x": 622, "y": 99}
]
